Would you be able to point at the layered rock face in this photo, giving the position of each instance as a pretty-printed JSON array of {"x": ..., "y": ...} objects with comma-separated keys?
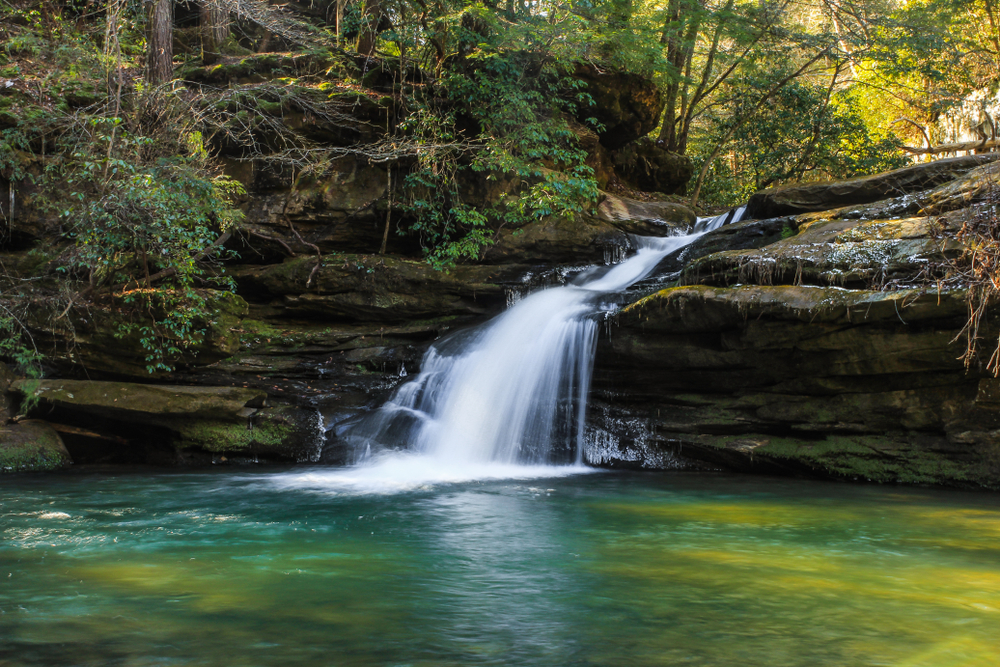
[
  {"x": 333, "y": 305},
  {"x": 813, "y": 346},
  {"x": 806, "y": 339}
]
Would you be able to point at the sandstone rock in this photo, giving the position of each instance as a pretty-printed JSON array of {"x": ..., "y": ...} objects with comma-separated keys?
[
  {"x": 141, "y": 418},
  {"x": 843, "y": 383},
  {"x": 794, "y": 199},
  {"x": 654, "y": 218},
  {"x": 627, "y": 105},
  {"x": 377, "y": 288},
  {"x": 581, "y": 239},
  {"x": 126, "y": 401},
  {"x": 646, "y": 166},
  {"x": 598, "y": 157},
  {"x": 830, "y": 252},
  {"x": 31, "y": 446},
  {"x": 975, "y": 186}
]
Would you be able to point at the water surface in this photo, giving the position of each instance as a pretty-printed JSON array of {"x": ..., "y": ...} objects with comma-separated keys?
[{"x": 237, "y": 568}]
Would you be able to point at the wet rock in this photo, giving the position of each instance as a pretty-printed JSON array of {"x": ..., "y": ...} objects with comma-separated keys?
[
  {"x": 744, "y": 235},
  {"x": 654, "y": 218},
  {"x": 31, "y": 446},
  {"x": 795, "y": 199},
  {"x": 848, "y": 252}
]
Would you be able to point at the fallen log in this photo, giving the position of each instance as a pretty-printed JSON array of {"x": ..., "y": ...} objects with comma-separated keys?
[{"x": 988, "y": 144}]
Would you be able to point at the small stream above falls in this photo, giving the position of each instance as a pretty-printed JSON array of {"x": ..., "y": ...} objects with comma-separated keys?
[{"x": 508, "y": 398}]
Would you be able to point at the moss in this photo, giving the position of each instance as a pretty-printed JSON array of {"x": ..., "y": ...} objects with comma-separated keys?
[
  {"x": 32, "y": 263},
  {"x": 30, "y": 448},
  {"x": 228, "y": 436},
  {"x": 874, "y": 458},
  {"x": 270, "y": 108}
]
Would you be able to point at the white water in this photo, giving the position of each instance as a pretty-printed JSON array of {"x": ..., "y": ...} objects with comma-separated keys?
[{"x": 505, "y": 400}]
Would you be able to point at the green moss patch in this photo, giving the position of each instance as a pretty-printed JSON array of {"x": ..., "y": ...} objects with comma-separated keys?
[
  {"x": 232, "y": 437},
  {"x": 875, "y": 458},
  {"x": 31, "y": 447}
]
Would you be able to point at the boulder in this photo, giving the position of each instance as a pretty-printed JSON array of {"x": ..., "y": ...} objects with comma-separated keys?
[
  {"x": 646, "y": 166},
  {"x": 627, "y": 105},
  {"x": 795, "y": 199},
  {"x": 580, "y": 239},
  {"x": 31, "y": 446},
  {"x": 652, "y": 218}
]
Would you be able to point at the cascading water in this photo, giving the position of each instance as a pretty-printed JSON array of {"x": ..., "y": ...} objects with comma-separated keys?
[{"x": 513, "y": 391}]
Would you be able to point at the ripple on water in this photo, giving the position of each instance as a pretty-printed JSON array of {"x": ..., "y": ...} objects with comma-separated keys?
[{"x": 320, "y": 568}]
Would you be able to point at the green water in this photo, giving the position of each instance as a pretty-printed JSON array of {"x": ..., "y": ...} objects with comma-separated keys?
[{"x": 602, "y": 569}]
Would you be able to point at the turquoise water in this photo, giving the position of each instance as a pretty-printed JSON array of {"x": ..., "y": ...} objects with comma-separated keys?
[{"x": 228, "y": 568}]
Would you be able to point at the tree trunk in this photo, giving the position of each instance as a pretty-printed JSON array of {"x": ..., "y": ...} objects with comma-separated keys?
[
  {"x": 368, "y": 36},
  {"x": 160, "y": 52},
  {"x": 214, "y": 30}
]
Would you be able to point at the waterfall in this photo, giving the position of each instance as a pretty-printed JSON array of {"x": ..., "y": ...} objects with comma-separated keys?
[{"x": 514, "y": 390}]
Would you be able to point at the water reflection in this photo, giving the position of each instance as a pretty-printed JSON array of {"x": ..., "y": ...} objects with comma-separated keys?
[{"x": 594, "y": 570}]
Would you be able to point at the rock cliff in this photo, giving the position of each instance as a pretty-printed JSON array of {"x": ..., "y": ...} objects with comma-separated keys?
[{"x": 815, "y": 343}]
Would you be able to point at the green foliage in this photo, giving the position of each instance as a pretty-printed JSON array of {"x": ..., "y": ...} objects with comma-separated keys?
[
  {"x": 17, "y": 345},
  {"x": 500, "y": 121},
  {"x": 802, "y": 134},
  {"x": 140, "y": 197},
  {"x": 140, "y": 210}
]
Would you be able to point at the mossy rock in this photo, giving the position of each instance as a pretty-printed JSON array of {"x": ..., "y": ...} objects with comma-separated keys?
[
  {"x": 379, "y": 288},
  {"x": 144, "y": 403},
  {"x": 31, "y": 446},
  {"x": 860, "y": 457},
  {"x": 282, "y": 432},
  {"x": 257, "y": 68},
  {"x": 580, "y": 239},
  {"x": 95, "y": 339},
  {"x": 230, "y": 420}
]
